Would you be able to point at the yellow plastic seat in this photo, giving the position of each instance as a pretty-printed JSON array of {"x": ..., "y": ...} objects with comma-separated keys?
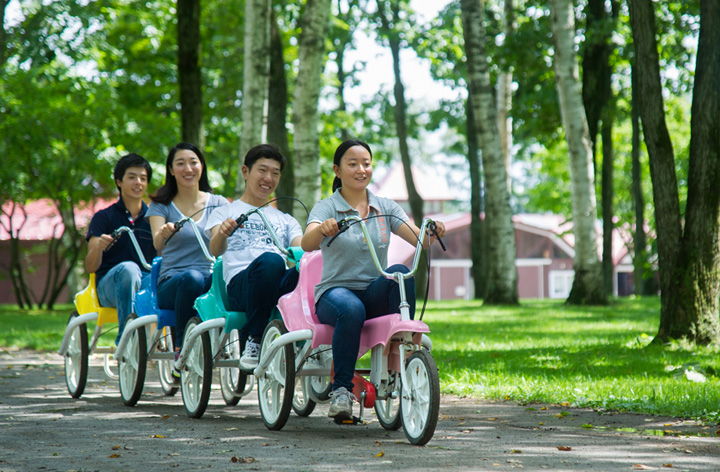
[{"x": 86, "y": 301}]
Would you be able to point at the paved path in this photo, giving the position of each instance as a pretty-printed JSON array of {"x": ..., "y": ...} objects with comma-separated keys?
[{"x": 42, "y": 428}]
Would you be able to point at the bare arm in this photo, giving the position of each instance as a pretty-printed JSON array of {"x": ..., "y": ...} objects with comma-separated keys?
[
  {"x": 410, "y": 233},
  {"x": 160, "y": 231},
  {"x": 315, "y": 232},
  {"x": 96, "y": 246},
  {"x": 219, "y": 235}
]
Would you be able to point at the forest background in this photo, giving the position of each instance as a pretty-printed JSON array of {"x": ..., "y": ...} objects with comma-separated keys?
[{"x": 603, "y": 111}]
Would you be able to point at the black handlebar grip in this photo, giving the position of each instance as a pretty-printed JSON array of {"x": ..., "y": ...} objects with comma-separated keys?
[
  {"x": 178, "y": 227},
  {"x": 343, "y": 226},
  {"x": 115, "y": 235},
  {"x": 240, "y": 220},
  {"x": 433, "y": 230}
]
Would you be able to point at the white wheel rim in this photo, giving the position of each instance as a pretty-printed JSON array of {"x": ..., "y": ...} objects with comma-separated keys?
[
  {"x": 73, "y": 360},
  {"x": 272, "y": 384},
  {"x": 192, "y": 378},
  {"x": 229, "y": 375},
  {"x": 129, "y": 366},
  {"x": 416, "y": 402}
]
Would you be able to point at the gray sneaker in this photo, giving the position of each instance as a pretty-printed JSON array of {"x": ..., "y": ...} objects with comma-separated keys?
[
  {"x": 341, "y": 405},
  {"x": 249, "y": 359}
]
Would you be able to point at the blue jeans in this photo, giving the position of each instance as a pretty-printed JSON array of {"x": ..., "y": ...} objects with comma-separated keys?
[
  {"x": 118, "y": 287},
  {"x": 179, "y": 293},
  {"x": 347, "y": 311},
  {"x": 257, "y": 289}
]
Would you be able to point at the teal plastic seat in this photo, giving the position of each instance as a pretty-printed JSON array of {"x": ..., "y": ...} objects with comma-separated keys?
[{"x": 214, "y": 304}]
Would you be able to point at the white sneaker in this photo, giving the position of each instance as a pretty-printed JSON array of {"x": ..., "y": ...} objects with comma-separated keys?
[
  {"x": 341, "y": 406},
  {"x": 249, "y": 359}
]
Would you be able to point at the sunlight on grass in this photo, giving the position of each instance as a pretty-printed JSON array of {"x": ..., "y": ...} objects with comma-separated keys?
[{"x": 544, "y": 351}]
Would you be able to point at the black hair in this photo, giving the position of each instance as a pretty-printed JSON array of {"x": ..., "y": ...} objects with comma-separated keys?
[
  {"x": 340, "y": 152},
  {"x": 127, "y": 161},
  {"x": 167, "y": 192},
  {"x": 267, "y": 151}
]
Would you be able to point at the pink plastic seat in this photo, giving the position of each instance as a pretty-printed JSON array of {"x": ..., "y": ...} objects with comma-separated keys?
[{"x": 298, "y": 312}]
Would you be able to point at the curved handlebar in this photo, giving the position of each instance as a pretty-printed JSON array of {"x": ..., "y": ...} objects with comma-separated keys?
[
  {"x": 245, "y": 216},
  {"x": 427, "y": 224},
  {"x": 125, "y": 229},
  {"x": 198, "y": 236}
]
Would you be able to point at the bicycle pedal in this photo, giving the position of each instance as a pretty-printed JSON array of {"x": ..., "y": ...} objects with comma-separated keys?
[{"x": 348, "y": 421}]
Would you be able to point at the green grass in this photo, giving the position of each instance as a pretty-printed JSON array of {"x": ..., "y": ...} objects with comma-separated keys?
[
  {"x": 541, "y": 351},
  {"x": 597, "y": 357},
  {"x": 41, "y": 330}
]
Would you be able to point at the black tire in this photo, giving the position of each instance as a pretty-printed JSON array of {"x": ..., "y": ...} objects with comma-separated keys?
[
  {"x": 421, "y": 406},
  {"x": 278, "y": 381},
  {"x": 132, "y": 367},
  {"x": 196, "y": 377},
  {"x": 76, "y": 359}
]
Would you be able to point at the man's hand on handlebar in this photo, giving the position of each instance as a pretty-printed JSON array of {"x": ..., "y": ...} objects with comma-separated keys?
[{"x": 228, "y": 227}]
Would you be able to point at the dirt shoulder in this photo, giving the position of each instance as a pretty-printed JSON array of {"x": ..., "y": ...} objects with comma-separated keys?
[{"x": 42, "y": 428}]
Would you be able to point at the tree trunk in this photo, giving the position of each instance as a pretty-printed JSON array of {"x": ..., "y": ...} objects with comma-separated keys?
[
  {"x": 256, "y": 71},
  {"x": 3, "y": 33},
  {"x": 504, "y": 94},
  {"x": 311, "y": 54},
  {"x": 608, "y": 268},
  {"x": 587, "y": 285},
  {"x": 643, "y": 276},
  {"x": 390, "y": 20},
  {"x": 502, "y": 274},
  {"x": 189, "y": 74},
  {"x": 277, "y": 117},
  {"x": 477, "y": 238},
  {"x": 689, "y": 279},
  {"x": 697, "y": 315}
]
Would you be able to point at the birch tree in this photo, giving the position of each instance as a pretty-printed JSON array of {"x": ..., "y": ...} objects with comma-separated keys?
[
  {"x": 587, "y": 287},
  {"x": 502, "y": 273},
  {"x": 311, "y": 55},
  {"x": 256, "y": 72}
]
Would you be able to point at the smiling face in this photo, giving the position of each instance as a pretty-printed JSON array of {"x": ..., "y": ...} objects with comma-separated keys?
[
  {"x": 133, "y": 184},
  {"x": 355, "y": 169},
  {"x": 261, "y": 180},
  {"x": 187, "y": 169}
]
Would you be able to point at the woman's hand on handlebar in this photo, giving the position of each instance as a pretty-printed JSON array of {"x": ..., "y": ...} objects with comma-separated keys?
[
  {"x": 315, "y": 232},
  {"x": 329, "y": 227},
  {"x": 167, "y": 230}
]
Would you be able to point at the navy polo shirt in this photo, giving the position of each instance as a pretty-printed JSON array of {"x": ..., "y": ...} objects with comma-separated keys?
[{"x": 113, "y": 217}]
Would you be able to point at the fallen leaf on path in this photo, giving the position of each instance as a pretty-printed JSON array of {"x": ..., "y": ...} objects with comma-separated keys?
[
  {"x": 114, "y": 456},
  {"x": 115, "y": 448},
  {"x": 642, "y": 467},
  {"x": 165, "y": 417},
  {"x": 516, "y": 451},
  {"x": 231, "y": 429},
  {"x": 157, "y": 436},
  {"x": 242, "y": 460},
  {"x": 564, "y": 448},
  {"x": 380, "y": 454},
  {"x": 669, "y": 466},
  {"x": 492, "y": 419},
  {"x": 587, "y": 426},
  {"x": 378, "y": 443}
]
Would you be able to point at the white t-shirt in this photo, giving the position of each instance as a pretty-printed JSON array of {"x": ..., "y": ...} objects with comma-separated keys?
[{"x": 252, "y": 239}]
